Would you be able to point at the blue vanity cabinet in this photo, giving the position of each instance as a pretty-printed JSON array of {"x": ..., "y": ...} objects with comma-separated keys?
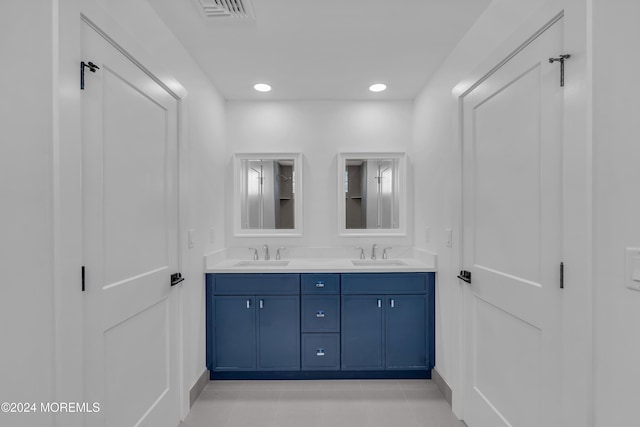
[
  {"x": 253, "y": 322},
  {"x": 235, "y": 333},
  {"x": 320, "y": 321},
  {"x": 320, "y": 325},
  {"x": 406, "y": 332},
  {"x": 384, "y": 332},
  {"x": 388, "y": 321},
  {"x": 278, "y": 333},
  {"x": 320, "y": 302},
  {"x": 362, "y": 332}
]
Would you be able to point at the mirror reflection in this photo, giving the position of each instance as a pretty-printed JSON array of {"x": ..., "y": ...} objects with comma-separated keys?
[
  {"x": 267, "y": 193},
  {"x": 372, "y": 198}
]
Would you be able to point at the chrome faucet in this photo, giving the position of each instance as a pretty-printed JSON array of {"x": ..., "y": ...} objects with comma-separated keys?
[
  {"x": 255, "y": 254},
  {"x": 281, "y": 248},
  {"x": 361, "y": 252},
  {"x": 373, "y": 251},
  {"x": 266, "y": 252},
  {"x": 384, "y": 252}
]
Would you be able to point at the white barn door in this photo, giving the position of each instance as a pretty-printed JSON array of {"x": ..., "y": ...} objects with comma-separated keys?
[
  {"x": 512, "y": 244},
  {"x": 130, "y": 229}
]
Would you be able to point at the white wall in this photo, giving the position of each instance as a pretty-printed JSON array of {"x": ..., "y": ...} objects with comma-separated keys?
[
  {"x": 616, "y": 209},
  {"x": 26, "y": 231},
  {"x": 437, "y": 159},
  {"x": 319, "y": 130},
  {"x": 40, "y": 252}
]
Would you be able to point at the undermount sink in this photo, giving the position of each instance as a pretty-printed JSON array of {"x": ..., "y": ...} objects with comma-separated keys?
[
  {"x": 262, "y": 263},
  {"x": 379, "y": 262}
]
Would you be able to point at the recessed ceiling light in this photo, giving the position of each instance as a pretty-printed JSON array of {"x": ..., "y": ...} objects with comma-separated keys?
[
  {"x": 262, "y": 87},
  {"x": 378, "y": 87}
]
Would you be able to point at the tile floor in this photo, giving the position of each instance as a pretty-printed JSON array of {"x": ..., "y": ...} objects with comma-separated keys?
[{"x": 326, "y": 403}]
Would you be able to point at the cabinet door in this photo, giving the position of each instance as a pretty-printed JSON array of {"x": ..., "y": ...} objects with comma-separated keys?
[
  {"x": 235, "y": 333},
  {"x": 362, "y": 332},
  {"x": 406, "y": 332},
  {"x": 278, "y": 333}
]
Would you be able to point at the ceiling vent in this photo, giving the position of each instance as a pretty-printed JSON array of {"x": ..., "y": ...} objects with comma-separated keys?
[{"x": 226, "y": 10}]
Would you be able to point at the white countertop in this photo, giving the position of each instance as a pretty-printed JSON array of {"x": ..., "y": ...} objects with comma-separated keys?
[{"x": 410, "y": 261}]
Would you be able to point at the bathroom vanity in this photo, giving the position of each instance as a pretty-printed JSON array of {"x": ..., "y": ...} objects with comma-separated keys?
[
  {"x": 353, "y": 322},
  {"x": 319, "y": 313}
]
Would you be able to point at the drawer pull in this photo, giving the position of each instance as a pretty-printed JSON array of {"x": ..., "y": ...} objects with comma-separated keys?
[
  {"x": 320, "y": 352},
  {"x": 319, "y": 284},
  {"x": 320, "y": 313}
]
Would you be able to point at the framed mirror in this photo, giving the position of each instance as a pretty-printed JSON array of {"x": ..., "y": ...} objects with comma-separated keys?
[
  {"x": 371, "y": 194},
  {"x": 268, "y": 199}
]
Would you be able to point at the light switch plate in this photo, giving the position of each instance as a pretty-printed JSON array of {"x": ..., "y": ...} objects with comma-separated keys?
[
  {"x": 632, "y": 268},
  {"x": 190, "y": 237},
  {"x": 449, "y": 237}
]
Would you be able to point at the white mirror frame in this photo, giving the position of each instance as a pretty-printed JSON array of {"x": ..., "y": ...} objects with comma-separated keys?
[
  {"x": 402, "y": 189},
  {"x": 237, "y": 184}
]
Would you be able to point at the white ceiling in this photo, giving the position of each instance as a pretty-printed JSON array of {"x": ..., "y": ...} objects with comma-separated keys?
[{"x": 323, "y": 49}]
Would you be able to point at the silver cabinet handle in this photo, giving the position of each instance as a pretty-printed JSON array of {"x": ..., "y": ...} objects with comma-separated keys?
[
  {"x": 379, "y": 303},
  {"x": 248, "y": 303},
  {"x": 319, "y": 284},
  {"x": 320, "y": 352},
  {"x": 393, "y": 303},
  {"x": 320, "y": 313},
  {"x": 261, "y": 303}
]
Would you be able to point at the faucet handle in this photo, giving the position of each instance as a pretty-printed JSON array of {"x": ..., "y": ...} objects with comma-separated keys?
[
  {"x": 384, "y": 252},
  {"x": 361, "y": 252},
  {"x": 373, "y": 250},
  {"x": 281, "y": 248},
  {"x": 255, "y": 254}
]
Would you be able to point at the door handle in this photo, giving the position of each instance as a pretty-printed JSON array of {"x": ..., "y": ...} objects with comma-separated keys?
[
  {"x": 176, "y": 278},
  {"x": 465, "y": 276}
]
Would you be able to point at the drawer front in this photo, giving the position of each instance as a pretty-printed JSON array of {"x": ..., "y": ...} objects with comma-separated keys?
[
  {"x": 321, "y": 313},
  {"x": 320, "y": 352},
  {"x": 256, "y": 284},
  {"x": 386, "y": 283},
  {"x": 320, "y": 283}
]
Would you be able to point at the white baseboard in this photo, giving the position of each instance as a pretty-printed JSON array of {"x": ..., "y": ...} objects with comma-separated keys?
[
  {"x": 197, "y": 388},
  {"x": 442, "y": 385}
]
